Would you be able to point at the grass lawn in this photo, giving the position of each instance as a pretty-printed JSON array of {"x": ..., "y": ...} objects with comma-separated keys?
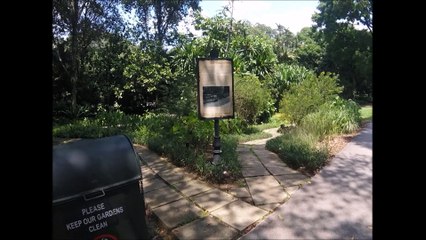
[
  {"x": 366, "y": 113},
  {"x": 256, "y": 131},
  {"x": 276, "y": 121},
  {"x": 252, "y": 136}
]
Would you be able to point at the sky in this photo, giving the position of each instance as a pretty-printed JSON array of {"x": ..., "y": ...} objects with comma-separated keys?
[{"x": 293, "y": 15}]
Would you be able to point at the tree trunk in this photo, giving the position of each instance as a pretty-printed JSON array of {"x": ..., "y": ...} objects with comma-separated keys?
[
  {"x": 74, "y": 55},
  {"x": 159, "y": 15}
]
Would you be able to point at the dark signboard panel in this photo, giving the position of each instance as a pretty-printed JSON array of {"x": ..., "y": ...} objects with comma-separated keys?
[{"x": 215, "y": 88}]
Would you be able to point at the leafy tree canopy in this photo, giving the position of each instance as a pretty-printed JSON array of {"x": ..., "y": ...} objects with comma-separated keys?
[
  {"x": 158, "y": 19},
  {"x": 334, "y": 13}
]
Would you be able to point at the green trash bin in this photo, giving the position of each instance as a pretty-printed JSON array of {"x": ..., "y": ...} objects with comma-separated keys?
[{"x": 96, "y": 191}]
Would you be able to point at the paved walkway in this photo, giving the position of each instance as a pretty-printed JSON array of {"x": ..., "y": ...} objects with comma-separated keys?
[
  {"x": 193, "y": 209},
  {"x": 336, "y": 205},
  {"x": 272, "y": 131}
]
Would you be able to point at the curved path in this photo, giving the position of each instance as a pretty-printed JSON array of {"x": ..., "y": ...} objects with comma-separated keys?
[
  {"x": 272, "y": 131},
  {"x": 336, "y": 205},
  {"x": 280, "y": 202},
  {"x": 193, "y": 209}
]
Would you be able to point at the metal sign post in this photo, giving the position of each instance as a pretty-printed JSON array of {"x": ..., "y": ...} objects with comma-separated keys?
[
  {"x": 216, "y": 143},
  {"x": 215, "y": 94}
]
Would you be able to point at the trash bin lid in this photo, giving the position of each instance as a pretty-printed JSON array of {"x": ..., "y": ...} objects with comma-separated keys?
[{"x": 93, "y": 164}]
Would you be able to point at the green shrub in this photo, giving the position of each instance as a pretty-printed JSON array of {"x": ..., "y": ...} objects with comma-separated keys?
[
  {"x": 267, "y": 113},
  {"x": 105, "y": 124},
  {"x": 80, "y": 129},
  {"x": 193, "y": 132},
  {"x": 233, "y": 126},
  {"x": 163, "y": 132},
  {"x": 243, "y": 132},
  {"x": 309, "y": 95},
  {"x": 319, "y": 123},
  {"x": 117, "y": 119},
  {"x": 334, "y": 117},
  {"x": 253, "y": 135},
  {"x": 185, "y": 141},
  {"x": 252, "y": 99},
  {"x": 229, "y": 163},
  {"x": 283, "y": 76},
  {"x": 297, "y": 148},
  {"x": 63, "y": 113},
  {"x": 347, "y": 116},
  {"x": 275, "y": 121},
  {"x": 366, "y": 113}
]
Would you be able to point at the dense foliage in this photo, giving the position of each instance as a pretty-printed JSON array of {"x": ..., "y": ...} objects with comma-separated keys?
[
  {"x": 305, "y": 146},
  {"x": 186, "y": 141},
  {"x": 338, "y": 116},
  {"x": 102, "y": 60},
  {"x": 122, "y": 67},
  {"x": 306, "y": 97},
  {"x": 298, "y": 149},
  {"x": 347, "y": 50},
  {"x": 252, "y": 100},
  {"x": 284, "y": 76}
]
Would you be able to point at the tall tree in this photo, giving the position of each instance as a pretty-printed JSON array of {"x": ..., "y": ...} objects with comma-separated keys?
[
  {"x": 309, "y": 52},
  {"x": 259, "y": 28},
  {"x": 158, "y": 19},
  {"x": 250, "y": 47},
  {"x": 334, "y": 13},
  {"x": 214, "y": 31},
  {"x": 347, "y": 49},
  {"x": 252, "y": 53},
  {"x": 76, "y": 23},
  {"x": 285, "y": 44}
]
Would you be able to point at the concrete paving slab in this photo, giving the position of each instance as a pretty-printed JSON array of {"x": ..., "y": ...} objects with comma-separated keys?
[
  {"x": 148, "y": 154},
  {"x": 162, "y": 166},
  {"x": 270, "y": 195},
  {"x": 213, "y": 199},
  {"x": 257, "y": 147},
  {"x": 242, "y": 149},
  {"x": 248, "y": 200},
  {"x": 147, "y": 172},
  {"x": 289, "y": 180},
  {"x": 266, "y": 189},
  {"x": 270, "y": 207},
  {"x": 274, "y": 163},
  {"x": 249, "y": 160},
  {"x": 239, "y": 192},
  {"x": 262, "y": 182},
  {"x": 292, "y": 189},
  {"x": 161, "y": 196},
  {"x": 254, "y": 171},
  {"x": 269, "y": 159},
  {"x": 150, "y": 184},
  {"x": 174, "y": 175},
  {"x": 239, "y": 214},
  {"x": 251, "y": 164},
  {"x": 177, "y": 213},
  {"x": 205, "y": 228},
  {"x": 140, "y": 149},
  {"x": 246, "y": 154},
  {"x": 280, "y": 170},
  {"x": 151, "y": 158},
  {"x": 192, "y": 188},
  {"x": 266, "y": 155}
]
